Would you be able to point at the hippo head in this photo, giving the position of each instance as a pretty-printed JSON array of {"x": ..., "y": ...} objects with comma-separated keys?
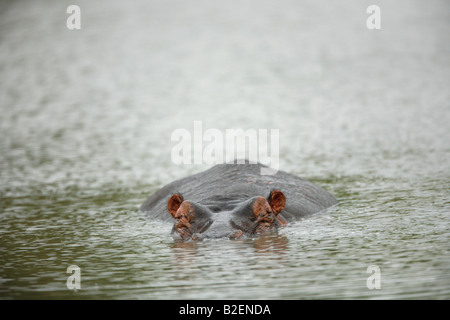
[{"x": 226, "y": 218}]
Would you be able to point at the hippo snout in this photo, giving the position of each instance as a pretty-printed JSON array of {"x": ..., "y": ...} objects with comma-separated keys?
[{"x": 253, "y": 216}]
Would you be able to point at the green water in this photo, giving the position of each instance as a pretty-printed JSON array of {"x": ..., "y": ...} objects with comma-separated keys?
[{"x": 86, "y": 120}]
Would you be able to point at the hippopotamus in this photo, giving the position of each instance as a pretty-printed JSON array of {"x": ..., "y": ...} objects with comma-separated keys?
[{"x": 234, "y": 201}]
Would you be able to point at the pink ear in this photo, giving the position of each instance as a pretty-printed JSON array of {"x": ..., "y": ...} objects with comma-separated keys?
[
  {"x": 277, "y": 201},
  {"x": 174, "y": 203}
]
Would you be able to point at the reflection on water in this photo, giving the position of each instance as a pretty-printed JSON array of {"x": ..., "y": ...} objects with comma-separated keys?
[
  {"x": 275, "y": 244},
  {"x": 265, "y": 245},
  {"x": 239, "y": 267},
  {"x": 87, "y": 117}
]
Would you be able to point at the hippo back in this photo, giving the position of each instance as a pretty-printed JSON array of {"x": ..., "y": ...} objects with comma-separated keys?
[{"x": 228, "y": 184}]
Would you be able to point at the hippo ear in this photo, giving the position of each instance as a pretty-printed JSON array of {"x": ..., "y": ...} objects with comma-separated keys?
[
  {"x": 277, "y": 201},
  {"x": 174, "y": 203}
]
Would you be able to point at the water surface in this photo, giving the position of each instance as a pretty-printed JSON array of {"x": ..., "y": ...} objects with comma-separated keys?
[{"x": 86, "y": 119}]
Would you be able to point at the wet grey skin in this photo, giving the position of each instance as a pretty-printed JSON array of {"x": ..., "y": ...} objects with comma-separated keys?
[{"x": 234, "y": 201}]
